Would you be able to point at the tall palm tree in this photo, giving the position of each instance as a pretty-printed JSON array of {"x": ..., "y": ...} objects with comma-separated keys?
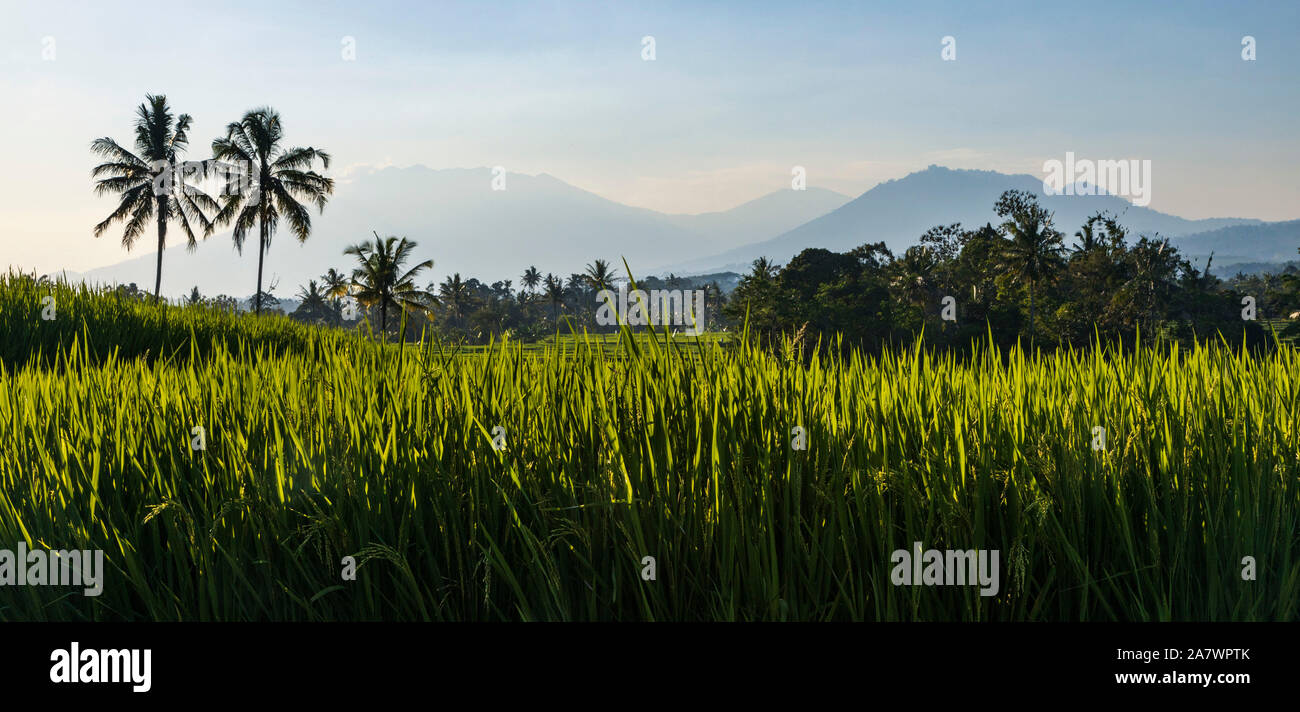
[
  {"x": 454, "y": 295},
  {"x": 1035, "y": 249},
  {"x": 555, "y": 292},
  {"x": 272, "y": 180},
  {"x": 532, "y": 278},
  {"x": 379, "y": 279},
  {"x": 335, "y": 284},
  {"x": 311, "y": 295},
  {"x": 755, "y": 297},
  {"x": 764, "y": 269},
  {"x": 600, "y": 276},
  {"x": 151, "y": 181},
  {"x": 312, "y": 306},
  {"x": 1087, "y": 236}
]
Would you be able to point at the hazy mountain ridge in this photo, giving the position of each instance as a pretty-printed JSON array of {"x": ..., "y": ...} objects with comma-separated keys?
[
  {"x": 770, "y": 214},
  {"x": 1265, "y": 242},
  {"x": 465, "y": 226},
  {"x": 899, "y": 211}
]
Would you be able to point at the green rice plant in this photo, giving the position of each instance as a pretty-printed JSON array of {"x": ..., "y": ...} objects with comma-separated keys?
[
  {"x": 514, "y": 483},
  {"x": 37, "y": 317}
]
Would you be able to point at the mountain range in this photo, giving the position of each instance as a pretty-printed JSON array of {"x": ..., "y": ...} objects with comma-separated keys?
[
  {"x": 898, "y": 212},
  {"x": 465, "y": 226},
  {"x": 1274, "y": 242}
]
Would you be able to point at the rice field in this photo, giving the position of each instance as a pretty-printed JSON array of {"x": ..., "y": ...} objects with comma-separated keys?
[{"x": 515, "y": 483}]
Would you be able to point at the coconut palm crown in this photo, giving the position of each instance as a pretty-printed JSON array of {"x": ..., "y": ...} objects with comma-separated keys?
[{"x": 152, "y": 181}]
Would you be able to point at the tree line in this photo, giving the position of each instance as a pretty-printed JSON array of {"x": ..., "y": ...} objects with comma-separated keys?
[
  {"x": 381, "y": 293},
  {"x": 1017, "y": 280}
]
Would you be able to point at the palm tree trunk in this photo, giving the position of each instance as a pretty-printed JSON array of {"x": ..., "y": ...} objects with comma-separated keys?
[
  {"x": 261, "y": 253},
  {"x": 1031, "y": 313},
  {"x": 383, "y": 320},
  {"x": 162, "y": 240}
]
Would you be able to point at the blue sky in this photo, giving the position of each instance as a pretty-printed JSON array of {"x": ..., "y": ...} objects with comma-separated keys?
[{"x": 738, "y": 94}]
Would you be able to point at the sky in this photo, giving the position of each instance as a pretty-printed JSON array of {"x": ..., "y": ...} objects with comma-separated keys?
[{"x": 738, "y": 93}]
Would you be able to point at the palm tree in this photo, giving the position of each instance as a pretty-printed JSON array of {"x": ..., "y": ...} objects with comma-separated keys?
[
  {"x": 273, "y": 180},
  {"x": 311, "y": 293},
  {"x": 1087, "y": 236},
  {"x": 916, "y": 275},
  {"x": 312, "y": 306},
  {"x": 335, "y": 284},
  {"x": 1035, "y": 250},
  {"x": 600, "y": 276},
  {"x": 554, "y": 291},
  {"x": 532, "y": 278},
  {"x": 755, "y": 297},
  {"x": 379, "y": 280},
  {"x": 151, "y": 181},
  {"x": 454, "y": 295},
  {"x": 1090, "y": 237},
  {"x": 764, "y": 270}
]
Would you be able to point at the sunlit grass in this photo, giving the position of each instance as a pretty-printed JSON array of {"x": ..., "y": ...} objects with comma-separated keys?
[{"x": 322, "y": 444}]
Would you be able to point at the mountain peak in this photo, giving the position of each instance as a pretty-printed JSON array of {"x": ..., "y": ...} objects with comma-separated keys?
[{"x": 898, "y": 212}]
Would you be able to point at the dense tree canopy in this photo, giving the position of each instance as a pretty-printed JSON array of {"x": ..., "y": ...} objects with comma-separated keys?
[{"x": 1015, "y": 281}]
